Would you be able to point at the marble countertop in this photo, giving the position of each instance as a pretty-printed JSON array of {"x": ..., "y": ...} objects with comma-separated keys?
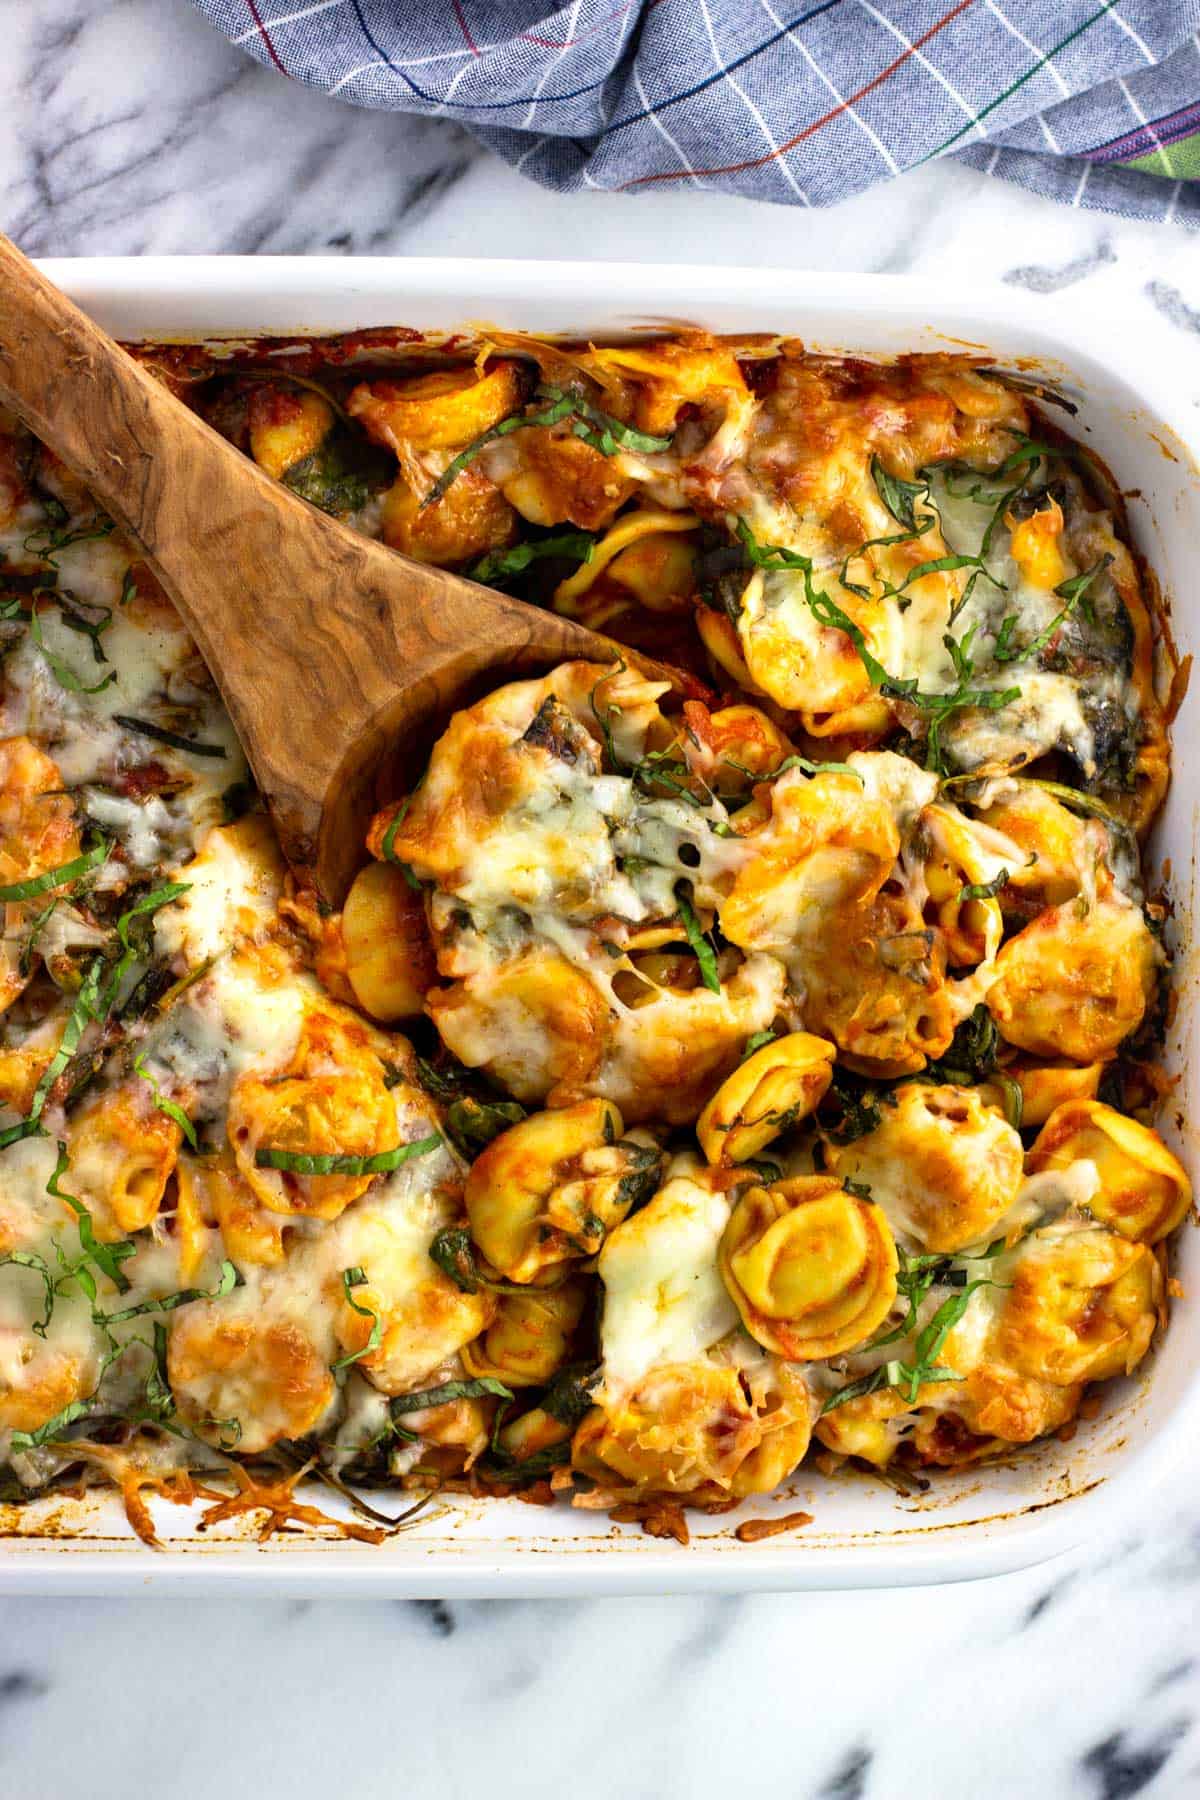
[{"x": 129, "y": 126}]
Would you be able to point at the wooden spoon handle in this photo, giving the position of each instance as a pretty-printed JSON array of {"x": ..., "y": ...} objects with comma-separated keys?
[{"x": 325, "y": 645}]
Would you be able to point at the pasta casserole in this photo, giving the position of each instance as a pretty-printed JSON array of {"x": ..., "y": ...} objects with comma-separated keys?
[{"x": 702, "y": 1074}]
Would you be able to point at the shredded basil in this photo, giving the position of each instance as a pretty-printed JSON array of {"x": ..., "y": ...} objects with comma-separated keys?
[
  {"x": 1078, "y": 801},
  {"x": 71, "y": 1413},
  {"x": 901, "y": 498},
  {"x": 226, "y": 1283},
  {"x": 164, "y": 1103},
  {"x": 758, "y": 1041},
  {"x": 387, "y": 848},
  {"x": 795, "y": 762},
  {"x": 37, "y": 926},
  {"x": 77, "y": 1022},
  {"x": 600, "y": 429},
  {"x": 938, "y": 707},
  {"x": 701, "y": 947},
  {"x": 888, "y": 1375},
  {"x": 1072, "y": 591},
  {"x": 604, "y": 720},
  {"x": 63, "y": 876},
  {"x": 352, "y": 1278},
  {"x": 984, "y": 890},
  {"x": 75, "y": 1409},
  {"x": 159, "y": 1400},
  {"x": 54, "y": 1428},
  {"x": 29, "y": 1259},
  {"x": 74, "y": 620},
  {"x": 147, "y": 729},
  {"x": 1075, "y": 589},
  {"x": 107, "y": 1257},
  {"x": 662, "y": 768},
  {"x": 916, "y": 1276},
  {"x": 46, "y": 542},
  {"x": 300, "y": 1163},
  {"x": 61, "y": 671},
  {"x": 148, "y": 904},
  {"x": 480, "y": 1387},
  {"x": 517, "y": 421}
]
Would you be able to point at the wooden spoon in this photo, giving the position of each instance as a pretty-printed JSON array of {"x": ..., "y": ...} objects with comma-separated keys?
[{"x": 331, "y": 652}]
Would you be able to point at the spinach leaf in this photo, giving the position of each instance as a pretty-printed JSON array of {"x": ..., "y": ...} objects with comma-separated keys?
[
  {"x": 501, "y": 565},
  {"x": 473, "y": 1123},
  {"x": 342, "y": 473}
]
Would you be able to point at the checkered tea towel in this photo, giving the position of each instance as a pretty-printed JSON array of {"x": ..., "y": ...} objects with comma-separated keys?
[{"x": 1096, "y": 102}]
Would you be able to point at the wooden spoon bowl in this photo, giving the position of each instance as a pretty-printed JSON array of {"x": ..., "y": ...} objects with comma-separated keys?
[{"x": 337, "y": 658}]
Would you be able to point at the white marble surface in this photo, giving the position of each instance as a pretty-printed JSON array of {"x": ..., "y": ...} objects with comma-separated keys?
[{"x": 129, "y": 126}]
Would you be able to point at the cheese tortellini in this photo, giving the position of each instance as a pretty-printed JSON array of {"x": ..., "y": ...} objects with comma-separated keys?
[
  {"x": 702, "y": 1431},
  {"x": 549, "y": 1190},
  {"x": 1083, "y": 1306},
  {"x": 810, "y": 1266},
  {"x": 1143, "y": 1192},
  {"x": 1076, "y": 981},
  {"x": 944, "y": 1165},
  {"x": 687, "y": 1404},
  {"x": 771, "y": 1089}
]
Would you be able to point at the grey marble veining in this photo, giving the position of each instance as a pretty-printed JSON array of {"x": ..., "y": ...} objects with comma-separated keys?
[
  {"x": 129, "y": 126},
  {"x": 1072, "y": 1680}
]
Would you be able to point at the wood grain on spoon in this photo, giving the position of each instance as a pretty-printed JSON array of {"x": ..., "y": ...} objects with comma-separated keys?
[{"x": 331, "y": 652}]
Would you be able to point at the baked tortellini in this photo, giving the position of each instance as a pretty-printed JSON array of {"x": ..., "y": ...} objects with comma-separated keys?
[
  {"x": 122, "y": 1152},
  {"x": 945, "y": 1166},
  {"x": 749, "y": 1036},
  {"x": 389, "y": 959},
  {"x": 810, "y": 1266},
  {"x": 1143, "y": 1191},
  {"x": 1072, "y": 1303},
  {"x": 245, "y": 1378},
  {"x": 551, "y": 1189},
  {"x": 529, "y": 1337},
  {"x": 687, "y": 1404},
  {"x": 772, "y": 1088},
  {"x": 567, "y": 842},
  {"x": 877, "y": 986},
  {"x": 331, "y": 1100},
  {"x": 1082, "y": 1306},
  {"x": 701, "y": 1431},
  {"x": 1076, "y": 981}
]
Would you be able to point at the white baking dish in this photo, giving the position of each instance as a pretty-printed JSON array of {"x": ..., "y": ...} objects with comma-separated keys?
[{"x": 1135, "y": 410}]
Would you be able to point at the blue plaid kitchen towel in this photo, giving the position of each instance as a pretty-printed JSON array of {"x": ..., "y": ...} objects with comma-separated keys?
[{"x": 1096, "y": 102}]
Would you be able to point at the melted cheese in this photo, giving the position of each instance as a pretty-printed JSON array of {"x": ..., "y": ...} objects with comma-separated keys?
[{"x": 664, "y": 1300}]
